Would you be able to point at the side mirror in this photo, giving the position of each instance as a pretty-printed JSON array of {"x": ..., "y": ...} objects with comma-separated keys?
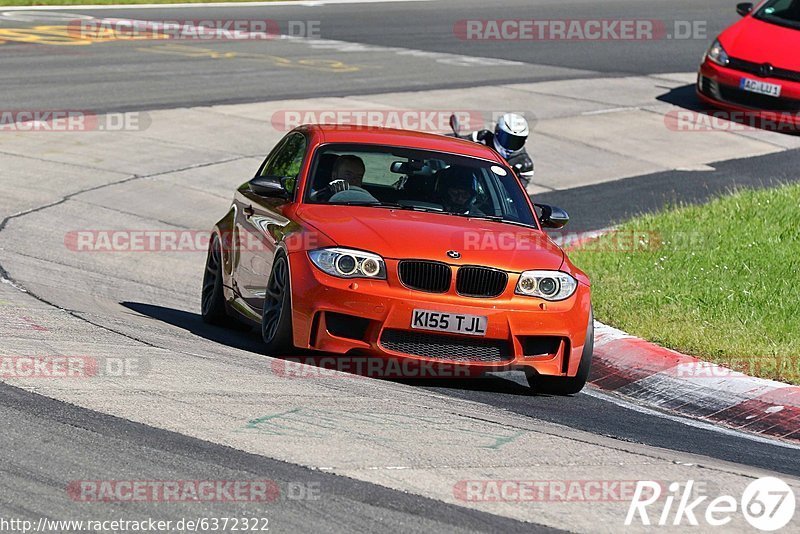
[
  {"x": 454, "y": 125},
  {"x": 552, "y": 216},
  {"x": 744, "y": 8},
  {"x": 269, "y": 186}
]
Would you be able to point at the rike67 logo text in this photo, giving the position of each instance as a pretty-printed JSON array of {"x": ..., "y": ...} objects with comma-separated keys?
[{"x": 767, "y": 504}]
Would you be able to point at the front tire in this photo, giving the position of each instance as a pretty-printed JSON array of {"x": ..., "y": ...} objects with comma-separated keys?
[
  {"x": 276, "y": 317},
  {"x": 212, "y": 306},
  {"x": 560, "y": 385}
]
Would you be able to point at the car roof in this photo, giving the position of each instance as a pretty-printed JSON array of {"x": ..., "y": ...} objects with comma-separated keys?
[{"x": 373, "y": 135}]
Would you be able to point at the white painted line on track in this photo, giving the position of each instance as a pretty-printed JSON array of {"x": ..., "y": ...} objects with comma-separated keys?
[
  {"x": 598, "y": 394},
  {"x": 316, "y": 3},
  {"x": 696, "y": 168},
  {"x": 4, "y": 280},
  {"x": 609, "y": 110},
  {"x": 458, "y": 60},
  {"x": 42, "y": 16}
]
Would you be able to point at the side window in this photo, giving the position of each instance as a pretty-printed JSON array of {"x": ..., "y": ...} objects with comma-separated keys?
[{"x": 288, "y": 159}]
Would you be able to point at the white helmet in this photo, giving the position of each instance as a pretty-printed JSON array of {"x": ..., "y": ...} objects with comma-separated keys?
[{"x": 510, "y": 134}]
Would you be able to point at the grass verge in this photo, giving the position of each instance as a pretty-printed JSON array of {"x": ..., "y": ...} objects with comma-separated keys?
[{"x": 720, "y": 281}]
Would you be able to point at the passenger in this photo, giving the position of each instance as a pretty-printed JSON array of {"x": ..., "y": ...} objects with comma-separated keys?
[{"x": 458, "y": 191}]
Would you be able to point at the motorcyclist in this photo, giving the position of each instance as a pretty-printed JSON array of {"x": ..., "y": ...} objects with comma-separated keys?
[{"x": 508, "y": 139}]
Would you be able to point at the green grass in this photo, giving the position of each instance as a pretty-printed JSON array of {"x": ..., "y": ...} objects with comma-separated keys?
[
  {"x": 720, "y": 281},
  {"x": 108, "y": 2}
]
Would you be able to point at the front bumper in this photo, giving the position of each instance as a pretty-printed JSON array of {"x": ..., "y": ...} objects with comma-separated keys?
[
  {"x": 523, "y": 333},
  {"x": 720, "y": 86}
]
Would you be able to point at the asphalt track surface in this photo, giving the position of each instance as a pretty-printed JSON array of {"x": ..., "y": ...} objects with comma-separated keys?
[
  {"x": 136, "y": 75},
  {"x": 45, "y": 439},
  {"x": 50, "y": 436}
]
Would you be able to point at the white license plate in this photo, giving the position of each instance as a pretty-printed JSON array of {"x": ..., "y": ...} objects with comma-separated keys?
[
  {"x": 457, "y": 323},
  {"x": 762, "y": 88}
]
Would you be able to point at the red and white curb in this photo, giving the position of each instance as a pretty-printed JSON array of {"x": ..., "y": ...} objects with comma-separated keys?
[{"x": 668, "y": 380}]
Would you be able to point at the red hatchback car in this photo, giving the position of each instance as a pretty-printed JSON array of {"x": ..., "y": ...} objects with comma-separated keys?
[
  {"x": 400, "y": 246},
  {"x": 753, "y": 67}
]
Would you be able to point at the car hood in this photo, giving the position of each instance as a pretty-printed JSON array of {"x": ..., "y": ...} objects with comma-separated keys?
[
  {"x": 401, "y": 234},
  {"x": 754, "y": 40}
]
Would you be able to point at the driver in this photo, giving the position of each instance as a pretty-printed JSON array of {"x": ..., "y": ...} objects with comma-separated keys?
[
  {"x": 458, "y": 191},
  {"x": 350, "y": 169},
  {"x": 347, "y": 179},
  {"x": 345, "y": 184}
]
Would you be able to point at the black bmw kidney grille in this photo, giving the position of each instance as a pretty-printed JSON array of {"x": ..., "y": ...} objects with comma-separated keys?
[
  {"x": 480, "y": 282},
  {"x": 444, "y": 347},
  {"x": 430, "y": 276}
]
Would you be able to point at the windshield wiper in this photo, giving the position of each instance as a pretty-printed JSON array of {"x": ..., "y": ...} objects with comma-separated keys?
[
  {"x": 394, "y": 205},
  {"x": 493, "y": 218},
  {"x": 496, "y": 218},
  {"x": 388, "y": 205}
]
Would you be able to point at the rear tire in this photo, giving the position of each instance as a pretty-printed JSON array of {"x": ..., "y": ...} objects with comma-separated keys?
[
  {"x": 570, "y": 385},
  {"x": 276, "y": 317},
  {"x": 212, "y": 305}
]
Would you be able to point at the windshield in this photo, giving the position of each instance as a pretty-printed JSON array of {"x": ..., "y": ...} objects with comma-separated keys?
[
  {"x": 783, "y": 12},
  {"x": 403, "y": 178}
]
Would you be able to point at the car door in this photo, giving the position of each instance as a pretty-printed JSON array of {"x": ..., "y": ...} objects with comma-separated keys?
[{"x": 260, "y": 222}]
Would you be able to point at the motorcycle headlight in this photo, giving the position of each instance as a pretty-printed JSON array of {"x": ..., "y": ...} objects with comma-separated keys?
[
  {"x": 717, "y": 54},
  {"x": 548, "y": 285},
  {"x": 349, "y": 263}
]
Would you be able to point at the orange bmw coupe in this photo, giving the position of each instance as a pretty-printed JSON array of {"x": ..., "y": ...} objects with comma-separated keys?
[{"x": 400, "y": 245}]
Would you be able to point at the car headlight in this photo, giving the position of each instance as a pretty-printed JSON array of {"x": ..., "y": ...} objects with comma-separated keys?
[
  {"x": 717, "y": 54},
  {"x": 548, "y": 285},
  {"x": 349, "y": 263}
]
